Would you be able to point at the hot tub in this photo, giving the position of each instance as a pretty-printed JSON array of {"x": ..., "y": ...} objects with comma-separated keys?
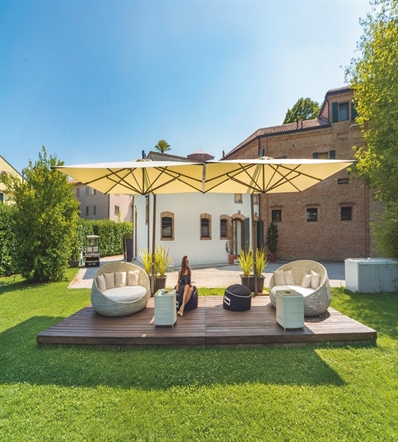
[{"x": 371, "y": 275}]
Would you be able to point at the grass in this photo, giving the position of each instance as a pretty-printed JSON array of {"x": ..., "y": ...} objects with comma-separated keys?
[{"x": 264, "y": 394}]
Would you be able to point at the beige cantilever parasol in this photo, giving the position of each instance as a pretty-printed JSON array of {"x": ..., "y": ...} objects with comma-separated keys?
[{"x": 267, "y": 175}]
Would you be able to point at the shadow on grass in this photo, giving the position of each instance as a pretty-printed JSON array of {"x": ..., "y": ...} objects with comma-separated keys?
[
  {"x": 376, "y": 310},
  {"x": 153, "y": 368}
]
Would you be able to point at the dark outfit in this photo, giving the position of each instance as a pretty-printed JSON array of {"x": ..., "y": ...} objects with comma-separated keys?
[{"x": 193, "y": 302}]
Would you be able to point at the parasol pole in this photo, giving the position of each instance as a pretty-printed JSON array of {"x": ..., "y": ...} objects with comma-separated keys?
[
  {"x": 153, "y": 243},
  {"x": 254, "y": 243}
]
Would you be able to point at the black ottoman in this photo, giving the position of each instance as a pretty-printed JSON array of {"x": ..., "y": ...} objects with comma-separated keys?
[
  {"x": 191, "y": 304},
  {"x": 237, "y": 298}
]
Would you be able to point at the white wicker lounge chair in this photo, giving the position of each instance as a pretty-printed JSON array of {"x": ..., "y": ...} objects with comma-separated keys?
[
  {"x": 123, "y": 299},
  {"x": 316, "y": 301}
]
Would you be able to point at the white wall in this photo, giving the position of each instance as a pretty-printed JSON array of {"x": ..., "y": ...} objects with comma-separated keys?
[{"x": 187, "y": 209}]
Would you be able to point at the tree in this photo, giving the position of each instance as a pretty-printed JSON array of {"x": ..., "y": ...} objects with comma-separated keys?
[
  {"x": 46, "y": 220},
  {"x": 162, "y": 146},
  {"x": 304, "y": 109},
  {"x": 374, "y": 77}
]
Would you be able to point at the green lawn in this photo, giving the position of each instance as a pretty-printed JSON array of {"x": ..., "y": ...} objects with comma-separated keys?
[{"x": 272, "y": 394}]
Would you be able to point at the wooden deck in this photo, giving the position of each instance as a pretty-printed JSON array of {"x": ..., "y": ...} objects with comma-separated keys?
[{"x": 210, "y": 324}]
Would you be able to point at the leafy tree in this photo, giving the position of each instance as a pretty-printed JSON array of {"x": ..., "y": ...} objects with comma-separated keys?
[
  {"x": 163, "y": 146},
  {"x": 374, "y": 77},
  {"x": 7, "y": 239},
  {"x": 304, "y": 109},
  {"x": 46, "y": 220}
]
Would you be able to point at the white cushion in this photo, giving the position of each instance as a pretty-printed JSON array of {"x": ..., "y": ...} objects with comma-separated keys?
[
  {"x": 126, "y": 293},
  {"x": 289, "y": 278},
  {"x": 315, "y": 279},
  {"x": 109, "y": 280},
  {"x": 306, "y": 281},
  {"x": 101, "y": 283},
  {"x": 132, "y": 277},
  {"x": 120, "y": 279},
  {"x": 297, "y": 288},
  {"x": 279, "y": 278}
]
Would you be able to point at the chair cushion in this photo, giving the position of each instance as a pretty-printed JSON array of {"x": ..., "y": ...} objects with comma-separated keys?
[
  {"x": 126, "y": 293},
  {"x": 306, "y": 281},
  {"x": 101, "y": 283},
  {"x": 315, "y": 279},
  {"x": 132, "y": 277},
  {"x": 109, "y": 280},
  {"x": 289, "y": 278},
  {"x": 279, "y": 278},
  {"x": 120, "y": 279}
]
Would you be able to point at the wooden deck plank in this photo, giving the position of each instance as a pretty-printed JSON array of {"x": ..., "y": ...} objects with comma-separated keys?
[{"x": 210, "y": 324}]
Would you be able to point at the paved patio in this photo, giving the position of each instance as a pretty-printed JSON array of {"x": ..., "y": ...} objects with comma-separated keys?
[{"x": 220, "y": 275}]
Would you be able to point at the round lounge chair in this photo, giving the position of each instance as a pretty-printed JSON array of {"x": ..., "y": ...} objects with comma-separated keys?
[
  {"x": 316, "y": 301},
  {"x": 129, "y": 293}
]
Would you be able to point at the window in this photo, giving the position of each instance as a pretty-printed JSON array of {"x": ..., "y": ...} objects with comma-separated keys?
[
  {"x": 77, "y": 192},
  {"x": 204, "y": 228},
  {"x": 312, "y": 214},
  {"x": 167, "y": 227},
  {"x": 87, "y": 211},
  {"x": 93, "y": 191},
  {"x": 238, "y": 198},
  {"x": 331, "y": 155},
  {"x": 346, "y": 213},
  {"x": 117, "y": 210},
  {"x": 339, "y": 112},
  {"x": 95, "y": 210},
  {"x": 276, "y": 215},
  {"x": 342, "y": 181},
  {"x": 343, "y": 111},
  {"x": 223, "y": 228},
  {"x": 87, "y": 191}
]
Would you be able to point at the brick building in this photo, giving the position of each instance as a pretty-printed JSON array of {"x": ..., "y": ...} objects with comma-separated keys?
[{"x": 329, "y": 221}]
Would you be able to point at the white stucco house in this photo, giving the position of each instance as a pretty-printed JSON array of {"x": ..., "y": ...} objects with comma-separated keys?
[{"x": 194, "y": 224}]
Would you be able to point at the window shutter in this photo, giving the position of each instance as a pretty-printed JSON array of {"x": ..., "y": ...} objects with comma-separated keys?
[
  {"x": 246, "y": 234},
  {"x": 315, "y": 155},
  {"x": 354, "y": 112},
  {"x": 260, "y": 234},
  {"x": 335, "y": 112},
  {"x": 332, "y": 154}
]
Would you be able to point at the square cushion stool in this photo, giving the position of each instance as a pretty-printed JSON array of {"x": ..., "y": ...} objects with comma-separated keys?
[{"x": 237, "y": 298}]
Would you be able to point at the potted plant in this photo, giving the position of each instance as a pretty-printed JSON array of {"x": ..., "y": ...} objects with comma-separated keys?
[
  {"x": 245, "y": 261},
  {"x": 75, "y": 255},
  {"x": 231, "y": 257},
  {"x": 272, "y": 240},
  {"x": 162, "y": 264}
]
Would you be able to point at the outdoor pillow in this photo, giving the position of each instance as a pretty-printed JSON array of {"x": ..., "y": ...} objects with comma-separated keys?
[
  {"x": 120, "y": 278},
  {"x": 132, "y": 277},
  {"x": 101, "y": 283},
  {"x": 315, "y": 279},
  {"x": 289, "y": 278},
  {"x": 279, "y": 278},
  {"x": 306, "y": 281},
  {"x": 109, "y": 280}
]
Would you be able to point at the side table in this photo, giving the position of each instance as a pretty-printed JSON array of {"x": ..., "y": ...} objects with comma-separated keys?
[
  {"x": 165, "y": 310},
  {"x": 289, "y": 309}
]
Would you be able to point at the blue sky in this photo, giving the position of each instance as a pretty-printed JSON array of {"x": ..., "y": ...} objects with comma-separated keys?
[{"x": 102, "y": 81}]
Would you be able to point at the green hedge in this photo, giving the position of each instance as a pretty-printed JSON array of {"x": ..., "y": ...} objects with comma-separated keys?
[
  {"x": 111, "y": 235},
  {"x": 7, "y": 240}
]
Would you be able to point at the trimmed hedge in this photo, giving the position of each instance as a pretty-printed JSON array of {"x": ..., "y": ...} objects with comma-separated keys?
[{"x": 7, "y": 240}]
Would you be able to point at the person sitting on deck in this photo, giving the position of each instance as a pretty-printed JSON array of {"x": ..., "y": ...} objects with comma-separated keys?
[{"x": 186, "y": 292}]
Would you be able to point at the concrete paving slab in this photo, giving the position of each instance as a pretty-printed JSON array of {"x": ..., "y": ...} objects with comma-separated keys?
[{"x": 221, "y": 275}]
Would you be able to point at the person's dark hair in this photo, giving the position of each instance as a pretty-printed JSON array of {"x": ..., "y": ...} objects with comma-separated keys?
[{"x": 185, "y": 266}]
